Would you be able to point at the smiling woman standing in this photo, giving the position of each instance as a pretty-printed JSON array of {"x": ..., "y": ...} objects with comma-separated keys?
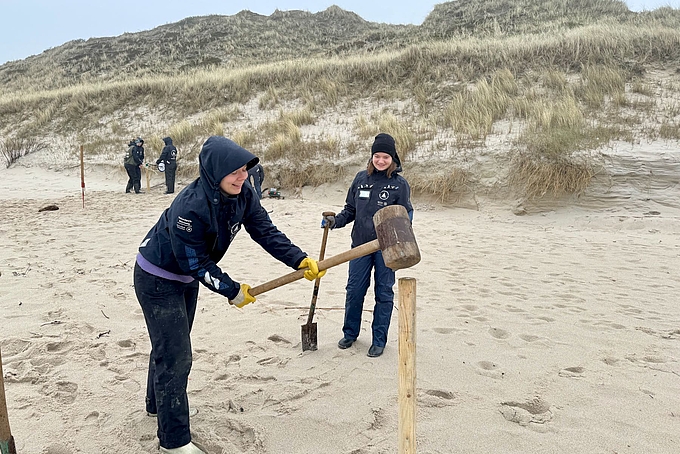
[
  {"x": 376, "y": 187},
  {"x": 183, "y": 249}
]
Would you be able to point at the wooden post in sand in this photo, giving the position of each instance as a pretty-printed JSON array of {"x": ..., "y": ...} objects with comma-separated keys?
[
  {"x": 6, "y": 440},
  {"x": 146, "y": 171},
  {"x": 407, "y": 365},
  {"x": 82, "y": 175}
]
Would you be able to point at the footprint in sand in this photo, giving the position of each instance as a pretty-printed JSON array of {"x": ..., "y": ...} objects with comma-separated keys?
[
  {"x": 572, "y": 372},
  {"x": 609, "y": 361},
  {"x": 64, "y": 392},
  {"x": 272, "y": 361},
  {"x": 12, "y": 347},
  {"x": 278, "y": 339},
  {"x": 139, "y": 428},
  {"x": 489, "y": 369},
  {"x": 534, "y": 413},
  {"x": 120, "y": 380},
  {"x": 57, "y": 449},
  {"x": 436, "y": 398},
  {"x": 443, "y": 330},
  {"x": 230, "y": 435},
  {"x": 498, "y": 333},
  {"x": 126, "y": 343}
]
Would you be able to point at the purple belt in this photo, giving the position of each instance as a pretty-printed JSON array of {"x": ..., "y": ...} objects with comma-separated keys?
[{"x": 160, "y": 272}]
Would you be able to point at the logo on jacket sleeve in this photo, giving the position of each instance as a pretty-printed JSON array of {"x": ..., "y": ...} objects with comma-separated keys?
[
  {"x": 184, "y": 224},
  {"x": 234, "y": 230},
  {"x": 211, "y": 280}
]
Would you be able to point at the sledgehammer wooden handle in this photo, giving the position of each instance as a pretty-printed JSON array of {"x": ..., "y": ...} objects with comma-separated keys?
[{"x": 354, "y": 253}]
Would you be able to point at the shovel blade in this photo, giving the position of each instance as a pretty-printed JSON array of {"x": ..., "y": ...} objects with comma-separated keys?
[{"x": 309, "y": 341}]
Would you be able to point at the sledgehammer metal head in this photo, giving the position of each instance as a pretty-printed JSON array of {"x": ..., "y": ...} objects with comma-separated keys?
[{"x": 395, "y": 240}]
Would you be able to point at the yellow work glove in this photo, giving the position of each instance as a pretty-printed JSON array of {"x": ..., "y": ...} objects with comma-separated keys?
[
  {"x": 313, "y": 272},
  {"x": 243, "y": 297}
]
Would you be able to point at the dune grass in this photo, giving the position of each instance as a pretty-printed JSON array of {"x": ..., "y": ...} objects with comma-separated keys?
[
  {"x": 561, "y": 93},
  {"x": 14, "y": 148}
]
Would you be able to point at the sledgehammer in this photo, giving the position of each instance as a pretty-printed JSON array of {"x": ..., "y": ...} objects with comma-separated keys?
[{"x": 395, "y": 240}]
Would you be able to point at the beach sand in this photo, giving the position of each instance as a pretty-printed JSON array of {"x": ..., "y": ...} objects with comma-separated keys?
[{"x": 556, "y": 332}]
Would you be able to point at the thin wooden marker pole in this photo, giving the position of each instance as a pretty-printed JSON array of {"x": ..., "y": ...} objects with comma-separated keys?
[
  {"x": 407, "y": 365},
  {"x": 82, "y": 175},
  {"x": 6, "y": 440},
  {"x": 146, "y": 170}
]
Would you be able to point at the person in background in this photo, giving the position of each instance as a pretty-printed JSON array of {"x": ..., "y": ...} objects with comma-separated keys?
[
  {"x": 169, "y": 159},
  {"x": 134, "y": 160},
  {"x": 376, "y": 187},
  {"x": 182, "y": 250},
  {"x": 256, "y": 178}
]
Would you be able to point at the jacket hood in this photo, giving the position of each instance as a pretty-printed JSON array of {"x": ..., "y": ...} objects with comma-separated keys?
[
  {"x": 167, "y": 141},
  {"x": 218, "y": 158}
]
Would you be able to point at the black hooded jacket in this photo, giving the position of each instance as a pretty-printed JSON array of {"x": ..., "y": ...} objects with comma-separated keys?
[
  {"x": 138, "y": 153},
  {"x": 168, "y": 154},
  {"x": 194, "y": 233},
  {"x": 366, "y": 196}
]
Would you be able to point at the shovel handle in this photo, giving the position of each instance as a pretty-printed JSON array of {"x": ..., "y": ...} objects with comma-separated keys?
[
  {"x": 322, "y": 253},
  {"x": 354, "y": 253}
]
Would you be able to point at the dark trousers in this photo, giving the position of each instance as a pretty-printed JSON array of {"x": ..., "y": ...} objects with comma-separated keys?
[
  {"x": 134, "y": 177},
  {"x": 170, "y": 170},
  {"x": 169, "y": 308},
  {"x": 357, "y": 285}
]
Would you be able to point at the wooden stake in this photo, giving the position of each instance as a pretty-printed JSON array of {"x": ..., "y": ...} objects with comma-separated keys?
[
  {"x": 146, "y": 171},
  {"x": 82, "y": 175},
  {"x": 407, "y": 365},
  {"x": 6, "y": 440}
]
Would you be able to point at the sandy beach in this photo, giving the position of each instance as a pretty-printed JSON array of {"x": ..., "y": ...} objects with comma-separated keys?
[{"x": 553, "y": 332}]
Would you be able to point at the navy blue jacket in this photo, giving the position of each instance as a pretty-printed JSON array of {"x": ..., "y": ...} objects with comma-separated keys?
[
  {"x": 194, "y": 233},
  {"x": 366, "y": 196},
  {"x": 169, "y": 153},
  {"x": 257, "y": 174},
  {"x": 138, "y": 154}
]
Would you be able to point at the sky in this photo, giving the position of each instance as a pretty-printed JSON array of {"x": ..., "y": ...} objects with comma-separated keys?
[{"x": 29, "y": 27}]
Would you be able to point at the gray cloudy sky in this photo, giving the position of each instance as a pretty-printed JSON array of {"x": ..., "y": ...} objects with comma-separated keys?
[{"x": 28, "y": 27}]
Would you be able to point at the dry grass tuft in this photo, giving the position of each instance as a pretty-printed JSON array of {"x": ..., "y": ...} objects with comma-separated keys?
[
  {"x": 316, "y": 174},
  {"x": 448, "y": 186},
  {"x": 536, "y": 176},
  {"x": 600, "y": 83},
  {"x": 244, "y": 137},
  {"x": 15, "y": 148},
  {"x": 471, "y": 113}
]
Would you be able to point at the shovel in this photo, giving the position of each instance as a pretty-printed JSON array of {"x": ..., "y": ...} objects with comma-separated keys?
[{"x": 309, "y": 339}]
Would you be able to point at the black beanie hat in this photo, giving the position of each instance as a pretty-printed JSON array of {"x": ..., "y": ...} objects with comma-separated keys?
[{"x": 384, "y": 143}]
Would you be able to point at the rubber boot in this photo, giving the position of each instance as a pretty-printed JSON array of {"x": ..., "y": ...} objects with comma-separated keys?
[{"x": 186, "y": 449}]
